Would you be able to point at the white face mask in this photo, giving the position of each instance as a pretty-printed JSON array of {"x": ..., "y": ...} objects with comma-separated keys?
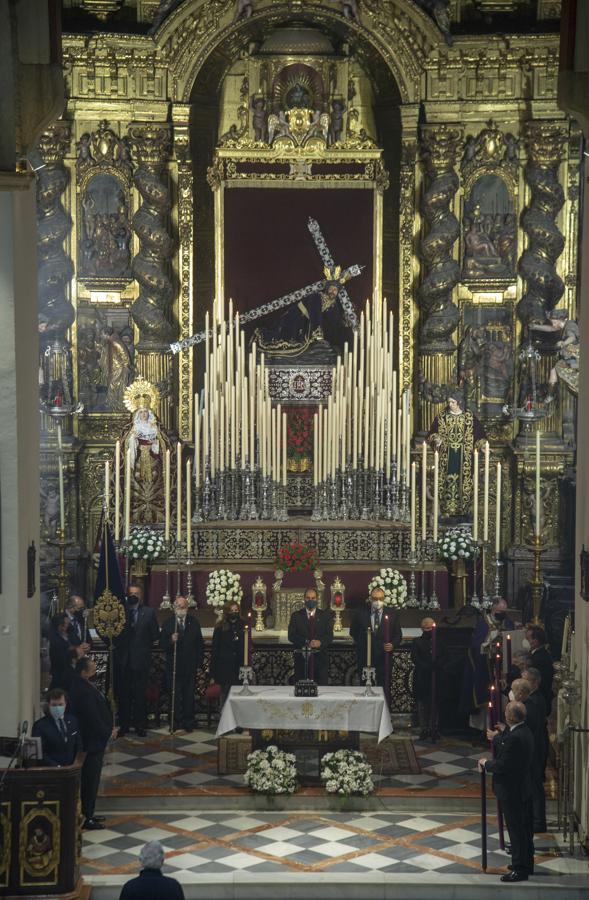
[
  {"x": 377, "y": 604},
  {"x": 511, "y": 696},
  {"x": 181, "y": 613},
  {"x": 526, "y": 645}
]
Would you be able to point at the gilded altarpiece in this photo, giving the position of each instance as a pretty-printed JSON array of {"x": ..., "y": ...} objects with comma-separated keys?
[{"x": 470, "y": 131}]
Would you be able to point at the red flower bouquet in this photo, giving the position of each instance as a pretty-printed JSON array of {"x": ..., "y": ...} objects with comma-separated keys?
[{"x": 297, "y": 557}]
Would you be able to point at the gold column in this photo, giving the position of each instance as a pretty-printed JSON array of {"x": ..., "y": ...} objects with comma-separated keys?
[{"x": 181, "y": 116}]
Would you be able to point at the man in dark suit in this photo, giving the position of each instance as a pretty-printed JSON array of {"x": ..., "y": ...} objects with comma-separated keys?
[
  {"x": 59, "y": 731},
  {"x": 425, "y": 666},
  {"x": 62, "y": 653},
  {"x": 182, "y": 632},
  {"x": 313, "y": 627},
  {"x": 133, "y": 658},
  {"x": 93, "y": 712},
  {"x": 542, "y": 661},
  {"x": 151, "y": 882},
  {"x": 536, "y": 705},
  {"x": 372, "y": 616},
  {"x": 512, "y": 785},
  {"x": 77, "y": 631}
]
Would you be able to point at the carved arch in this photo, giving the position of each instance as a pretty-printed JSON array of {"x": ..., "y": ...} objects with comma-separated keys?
[{"x": 401, "y": 34}]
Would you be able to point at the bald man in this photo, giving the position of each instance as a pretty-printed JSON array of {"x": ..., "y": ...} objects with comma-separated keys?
[{"x": 512, "y": 785}]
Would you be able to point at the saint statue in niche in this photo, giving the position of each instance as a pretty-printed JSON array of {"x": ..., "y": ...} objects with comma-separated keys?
[
  {"x": 567, "y": 366},
  {"x": 455, "y": 433},
  {"x": 147, "y": 444}
]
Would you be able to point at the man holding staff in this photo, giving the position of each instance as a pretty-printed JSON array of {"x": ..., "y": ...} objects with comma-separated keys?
[
  {"x": 181, "y": 639},
  {"x": 512, "y": 785}
]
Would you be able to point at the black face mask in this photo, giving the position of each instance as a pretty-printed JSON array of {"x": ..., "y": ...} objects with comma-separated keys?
[
  {"x": 233, "y": 617},
  {"x": 427, "y": 635},
  {"x": 499, "y": 616},
  {"x": 132, "y": 600}
]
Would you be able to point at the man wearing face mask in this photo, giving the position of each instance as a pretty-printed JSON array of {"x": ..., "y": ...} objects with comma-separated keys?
[
  {"x": 182, "y": 632},
  {"x": 535, "y": 642},
  {"x": 133, "y": 657},
  {"x": 59, "y": 731},
  {"x": 512, "y": 785},
  {"x": 537, "y": 704},
  {"x": 93, "y": 712},
  {"x": 425, "y": 665},
  {"x": 372, "y": 616},
  {"x": 313, "y": 627}
]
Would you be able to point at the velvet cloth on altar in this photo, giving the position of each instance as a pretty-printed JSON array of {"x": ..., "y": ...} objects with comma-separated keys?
[
  {"x": 356, "y": 582},
  {"x": 268, "y": 249}
]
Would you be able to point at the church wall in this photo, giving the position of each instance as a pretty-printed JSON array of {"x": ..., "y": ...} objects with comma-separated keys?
[
  {"x": 19, "y": 458},
  {"x": 447, "y": 95}
]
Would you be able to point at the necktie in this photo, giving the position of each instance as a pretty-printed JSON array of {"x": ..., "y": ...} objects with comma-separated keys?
[
  {"x": 134, "y": 618},
  {"x": 181, "y": 625},
  {"x": 62, "y": 729}
]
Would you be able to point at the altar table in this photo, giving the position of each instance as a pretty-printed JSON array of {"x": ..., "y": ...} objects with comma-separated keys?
[{"x": 334, "y": 709}]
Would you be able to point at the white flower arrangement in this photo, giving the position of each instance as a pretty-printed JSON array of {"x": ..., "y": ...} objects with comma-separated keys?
[
  {"x": 347, "y": 772},
  {"x": 271, "y": 771},
  {"x": 394, "y": 586},
  {"x": 145, "y": 543},
  {"x": 457, "y": 544},
  {"x": 223, "y": 586}
]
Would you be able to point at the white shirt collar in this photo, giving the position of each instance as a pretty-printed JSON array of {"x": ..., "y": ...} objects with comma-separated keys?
[{"x": 513, "y": 727}]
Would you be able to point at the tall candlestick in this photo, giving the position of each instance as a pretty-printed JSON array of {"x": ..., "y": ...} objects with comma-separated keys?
[
  {"x": 436, "y": 495},
  {"x": 188, "y": 508},
  {"x": 117, "y": 491},
  {"x": 475, "y": 510},
  {"x": 486, "y": 495},
  {"x": 179, "y": 493},
  {"x": 413, "y": 492},
  {"x": 315, "y": 450},
  {"x": 245, "y": 645},
  {"x": 60, "y": 477},
  {"x": 167, "y": 497},
  {"x": 538, "y": 469},
  {"x": 498, "y": 512},
  {"x": 424, "y": 492},
  {"x": 369, "y": 646},
  {"x": 128, "y": 495}
]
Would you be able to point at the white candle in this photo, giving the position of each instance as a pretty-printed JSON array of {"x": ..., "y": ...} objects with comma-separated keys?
[
  {"x": 117, "y": 491},
  {"x": 486, "y": 495},
  {"x": 498, "y": 513},
  {"x": 167, "y": 497},
  {"x": 128, "y": 495},
  {"x": 188, "y": 508},
  {"x": 284, "y": 448},
  {"x": 436, "y": 497},
  {"x": 424, "y": 492},
  {"x": 475, "y": 510},
  {"x": 413, "y": 491},
  {"x": 369, "y": 646},
  {"x": 315, "y": 453},
  {"x": 60, "y": 476},
  {"x": 394, "y": 417},
  {"x": 107, "y": 488},
  {"x": 178, "y": 492},
  {"x": 197, "y": 448},
  {"x": 538, "y": 469}
]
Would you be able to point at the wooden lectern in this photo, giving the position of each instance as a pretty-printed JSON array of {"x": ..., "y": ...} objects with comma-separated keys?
[{"x": 40, "y": 833}]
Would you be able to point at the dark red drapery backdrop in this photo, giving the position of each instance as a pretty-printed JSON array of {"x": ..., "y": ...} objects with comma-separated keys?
[{"x": 268, "y": 250}]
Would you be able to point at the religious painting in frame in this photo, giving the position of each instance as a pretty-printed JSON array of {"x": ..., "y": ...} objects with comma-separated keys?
[
  {"x": 105, "y": 357},
  {"x": 269, "y": 251}
]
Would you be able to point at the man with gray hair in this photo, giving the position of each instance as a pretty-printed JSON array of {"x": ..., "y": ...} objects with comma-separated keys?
[
  {"x": 151, "y": 883},
  {"x": 512, "y": 785}
]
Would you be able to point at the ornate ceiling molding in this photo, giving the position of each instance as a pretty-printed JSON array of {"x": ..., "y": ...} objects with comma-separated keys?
[{"x": 400, "y": 33}]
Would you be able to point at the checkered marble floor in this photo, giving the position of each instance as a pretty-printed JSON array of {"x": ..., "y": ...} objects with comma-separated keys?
[
  {"x": 161, "y": 764},
  {"x": 202, "y": 844}
]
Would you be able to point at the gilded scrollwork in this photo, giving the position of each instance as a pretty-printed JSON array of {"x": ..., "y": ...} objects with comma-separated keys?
[
  {"x": 544, "y": 143},
  {"x": 439, "y": 315},
  {"x": 55, "y": 268},
  {"x": 151, "y": 310}
]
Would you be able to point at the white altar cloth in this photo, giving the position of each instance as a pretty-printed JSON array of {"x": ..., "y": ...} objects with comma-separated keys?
[{"x": 335, "y": 709}]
